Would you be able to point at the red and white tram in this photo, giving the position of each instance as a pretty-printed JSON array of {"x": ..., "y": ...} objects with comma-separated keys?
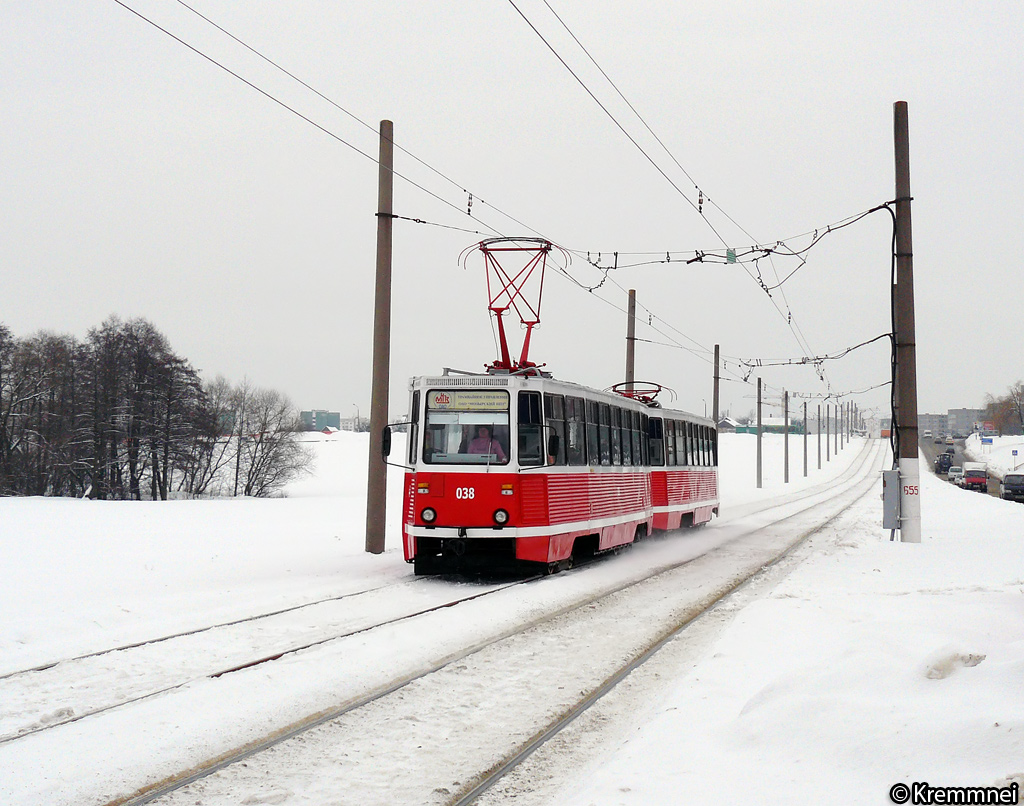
[
  {"x": 509, "y": 470},
  {"x": 514, "y": 467}
]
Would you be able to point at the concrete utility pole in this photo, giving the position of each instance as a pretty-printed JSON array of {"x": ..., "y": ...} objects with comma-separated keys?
[
  {"x": 828, "y": 436},
  {"x": 906, "y": 338},
  {"x": 818, "y": 422},
  {"x": 631, "y": 340},
  {"x": 785, "y": 436},
  {"x": 805, "y": 439},
  {"x": 714, "y": 398},
  {"x": 376, "y": 474},
  {"x": 759, "y": 433}
]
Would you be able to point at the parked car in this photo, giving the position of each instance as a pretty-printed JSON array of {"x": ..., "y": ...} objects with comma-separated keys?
[
  {"x": 975, "y": 477},
  {"x": 1012, "y": 487},
  {"x": 955, "y": 474}
]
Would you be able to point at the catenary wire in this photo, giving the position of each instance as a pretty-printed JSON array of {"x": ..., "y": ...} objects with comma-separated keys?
[
  {"x": 294, "y": 111},
  {"x": 354, "y": 117},
  {"x": 804, "y": 345}
]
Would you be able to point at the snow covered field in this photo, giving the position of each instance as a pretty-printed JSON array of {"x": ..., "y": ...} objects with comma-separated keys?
[
  {"x": 999, "y": 456},
  {"x": 871, "y": 663}
]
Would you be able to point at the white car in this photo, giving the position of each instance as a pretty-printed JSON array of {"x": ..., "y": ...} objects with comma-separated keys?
[{"x": 955, "y": 474}]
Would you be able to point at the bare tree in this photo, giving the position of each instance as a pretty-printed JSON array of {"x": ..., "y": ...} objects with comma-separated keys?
[
  {"x": 210, "y": 448},
  {"x": 1015, "y": 398},
  {"x": 269, "y": 453},
  {"x": 122, "y": 416},
  {"x": 1007, "y": 412}
]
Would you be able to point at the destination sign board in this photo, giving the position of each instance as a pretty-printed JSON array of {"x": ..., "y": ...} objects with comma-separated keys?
[{"x": 467, "y": 400}]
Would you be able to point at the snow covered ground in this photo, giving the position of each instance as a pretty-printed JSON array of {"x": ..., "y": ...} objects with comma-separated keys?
[
  {"x": 871, "y": 663},
  {"x": 1004, "y": 455}
]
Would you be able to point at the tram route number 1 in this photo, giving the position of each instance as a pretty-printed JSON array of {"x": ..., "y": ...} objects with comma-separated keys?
[
  {"x": 465, "y": 493},
  {"x": 910, "y": 489}
]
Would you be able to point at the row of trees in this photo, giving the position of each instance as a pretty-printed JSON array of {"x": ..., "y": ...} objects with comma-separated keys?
[
  {"x": 1007, "y": 412},
  {"x": 121, "y": 416}
]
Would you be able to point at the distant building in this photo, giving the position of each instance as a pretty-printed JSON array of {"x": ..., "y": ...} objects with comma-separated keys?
[
  {"x": 318, "y": 420},
  {"x": 772, "y": 425},
  {"x": 962, "y": 421},
  {"x": 727, "y": 425},
  {"x": 938, "y": 424}
]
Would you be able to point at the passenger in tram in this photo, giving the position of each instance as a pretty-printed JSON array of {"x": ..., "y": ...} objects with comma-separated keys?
[{"x": 484, "y": 443}]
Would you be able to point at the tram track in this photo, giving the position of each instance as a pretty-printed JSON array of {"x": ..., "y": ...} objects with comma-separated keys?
[
  {"x": 54, "y": 710},
  {"x": 486, "y": 781},
  {"x": 854, "y": 477},
  {"x": 197, "y": 630}
]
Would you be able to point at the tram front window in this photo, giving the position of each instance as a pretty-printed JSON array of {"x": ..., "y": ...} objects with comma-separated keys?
[{"x": 466, "y": 428}]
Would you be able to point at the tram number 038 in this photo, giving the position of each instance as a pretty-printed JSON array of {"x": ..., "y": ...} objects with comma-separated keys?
[
  {"x": 910, "y": 489},
  {"x": 465, "y": 493}
]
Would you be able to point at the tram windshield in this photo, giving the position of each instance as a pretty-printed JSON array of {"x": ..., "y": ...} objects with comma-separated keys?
[{"x": 466, "y": 427}]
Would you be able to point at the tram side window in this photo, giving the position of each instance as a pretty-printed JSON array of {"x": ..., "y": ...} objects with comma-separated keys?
[
  {"x": 645, "y": 447},
  {"x": 670, "y": 442},
  {"x": 414, "y": 426},
  {"x": 530, "y": 432},
  {"x": 616, "y": 436},
  {"x": 655, "y": 438},
  {"x": 575, "y": 431},
  {"x": 682, "y": 454},
  {"x": 704, "y": 445},
  {"x": 554, "y": 413},
  {"x": 714, "y": 447},
  {"x": 605, "y": 434},
  {"x": 638, "y": 458},
  {"x": 593, "y": 426},
  {"x": 691, "y": 439},
  {"x": 627, "y": 439}
]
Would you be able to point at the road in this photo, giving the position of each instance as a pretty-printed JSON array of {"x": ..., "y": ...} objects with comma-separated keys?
[{"x": 930, "y": 449}]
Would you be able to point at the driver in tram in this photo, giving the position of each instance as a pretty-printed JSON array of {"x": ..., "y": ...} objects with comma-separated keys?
[{"x": 484, "y": 443}]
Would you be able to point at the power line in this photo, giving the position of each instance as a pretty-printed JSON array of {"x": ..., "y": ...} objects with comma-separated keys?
[
  {"x": 331, "y": 134},
  {"x": 354, "y": 117},
  {"x": 788, "y": 315},
  {"x": 279, "y": 102},
  {"x": 704, "y": 351},
  {"x": 612, "y": 117},
  {"x": 804, "y": 360}
]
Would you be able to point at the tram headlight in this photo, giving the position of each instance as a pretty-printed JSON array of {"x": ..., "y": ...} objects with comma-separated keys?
[
  {"x": 428, "y": 515},
  {"x": 500, "y": 517}
]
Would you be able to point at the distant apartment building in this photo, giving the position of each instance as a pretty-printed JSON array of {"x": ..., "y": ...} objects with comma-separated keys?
[
  {"x": 318, "y": 420},
  {"x": 961, "y": 421},
  {"x": 938, "y": 424}
]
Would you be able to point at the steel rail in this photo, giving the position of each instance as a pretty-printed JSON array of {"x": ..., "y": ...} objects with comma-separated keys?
[
  {"x": 150, "y": 793},
  {"x": 503, "y": 768},
  {"x": 199, "y": 630},
  {"x": 256, "y": 662}
]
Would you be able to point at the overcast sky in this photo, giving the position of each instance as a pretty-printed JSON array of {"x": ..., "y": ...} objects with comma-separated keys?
[{"x": 142, "y": 180}]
